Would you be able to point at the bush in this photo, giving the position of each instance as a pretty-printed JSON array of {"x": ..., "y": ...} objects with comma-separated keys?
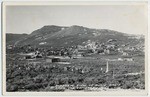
[
  {"x": 128, "y": 85},
  {"x": 71, "y": 81},
  {"x": 62, "y": 81},
  {"x": 52, "y": 83},
  {"x": 12, "y": 88}
]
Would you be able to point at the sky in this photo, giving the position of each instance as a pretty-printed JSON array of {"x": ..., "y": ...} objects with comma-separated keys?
[{"x": 130, "y": 19}]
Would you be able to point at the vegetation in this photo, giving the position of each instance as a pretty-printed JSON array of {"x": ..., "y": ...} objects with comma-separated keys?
[{"x": 81, "y": 74}]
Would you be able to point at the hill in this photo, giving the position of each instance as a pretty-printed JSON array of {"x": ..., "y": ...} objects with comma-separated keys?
[
  {"x": 60, "y": 36},
  {"x": 11, "y": 38}
]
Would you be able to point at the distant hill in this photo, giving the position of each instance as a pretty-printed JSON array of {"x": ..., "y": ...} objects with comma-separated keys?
[
  {"x": 59, "y": 36},
  {"x": 11, "y": 38}
]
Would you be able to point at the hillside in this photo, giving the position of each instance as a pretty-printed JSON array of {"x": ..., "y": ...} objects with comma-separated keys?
[
  {"x": 59, "y": 36},
  {"x": 11, "y": 39}
]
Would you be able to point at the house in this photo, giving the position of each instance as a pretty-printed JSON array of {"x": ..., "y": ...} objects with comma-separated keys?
[
  {"x": 29, "y": 55},
  {"x": 107, "y": 51},
  {"x": 120, "y": 50},
  {"x": 77, "y": 56},
  {"x": 33, "y": 55},
  {"x": 125, "y": 54},
  {"x": 120, "y": 59}
]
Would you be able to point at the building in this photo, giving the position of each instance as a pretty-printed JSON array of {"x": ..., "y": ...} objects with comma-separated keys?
[
  {"x": 125, "y": 54},
  {"x": 128, "y": 59},
  {"x": 48, "y": 60},
  {"x": 52, "y": 60}
]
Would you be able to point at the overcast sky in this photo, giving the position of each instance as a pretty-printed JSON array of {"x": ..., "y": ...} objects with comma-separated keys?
[{"x": 124, "y": 18}]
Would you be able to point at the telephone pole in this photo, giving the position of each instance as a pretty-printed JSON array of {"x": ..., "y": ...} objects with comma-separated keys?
[{"x": 107, "y": 66}]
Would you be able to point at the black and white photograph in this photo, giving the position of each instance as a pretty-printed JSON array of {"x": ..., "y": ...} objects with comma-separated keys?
[{"x": 75, "y": 47}]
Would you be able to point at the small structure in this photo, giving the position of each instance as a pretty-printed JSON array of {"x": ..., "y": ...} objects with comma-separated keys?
[
  {"x": 29, "y": 57},
  {"x": 77, "y": 56},
  {"x": 55, "y": 60},
  {"x": 125, "y": 54},
  {"x": 120, "y": 59},
  {"x": 128, "y": 59},
  {"x": 32, "y": 55},
  {"x": 85, "y": 70},
  {"x": 42, "y": 43},
  {"x": 107, "y": 51},
  {"x": 52, "y": 60},
  {"x": 48, "y": 60}
]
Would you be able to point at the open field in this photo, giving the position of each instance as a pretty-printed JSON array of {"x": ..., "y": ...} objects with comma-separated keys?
[{"x": 86, "y": 74}]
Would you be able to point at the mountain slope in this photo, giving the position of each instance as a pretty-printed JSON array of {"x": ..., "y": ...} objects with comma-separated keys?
[
  {"x": 58, "y": 36},
  {"x": 11, "y": 39}
]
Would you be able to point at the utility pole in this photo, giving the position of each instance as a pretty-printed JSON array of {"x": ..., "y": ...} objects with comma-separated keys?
[{"x": 107, "y": 66}]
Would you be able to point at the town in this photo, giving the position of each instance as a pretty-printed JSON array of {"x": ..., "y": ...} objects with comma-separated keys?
[{"x": 92, "y": 66}]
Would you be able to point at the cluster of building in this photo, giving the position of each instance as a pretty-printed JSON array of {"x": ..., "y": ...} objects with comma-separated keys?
[{"x": 111, "y": 47}]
